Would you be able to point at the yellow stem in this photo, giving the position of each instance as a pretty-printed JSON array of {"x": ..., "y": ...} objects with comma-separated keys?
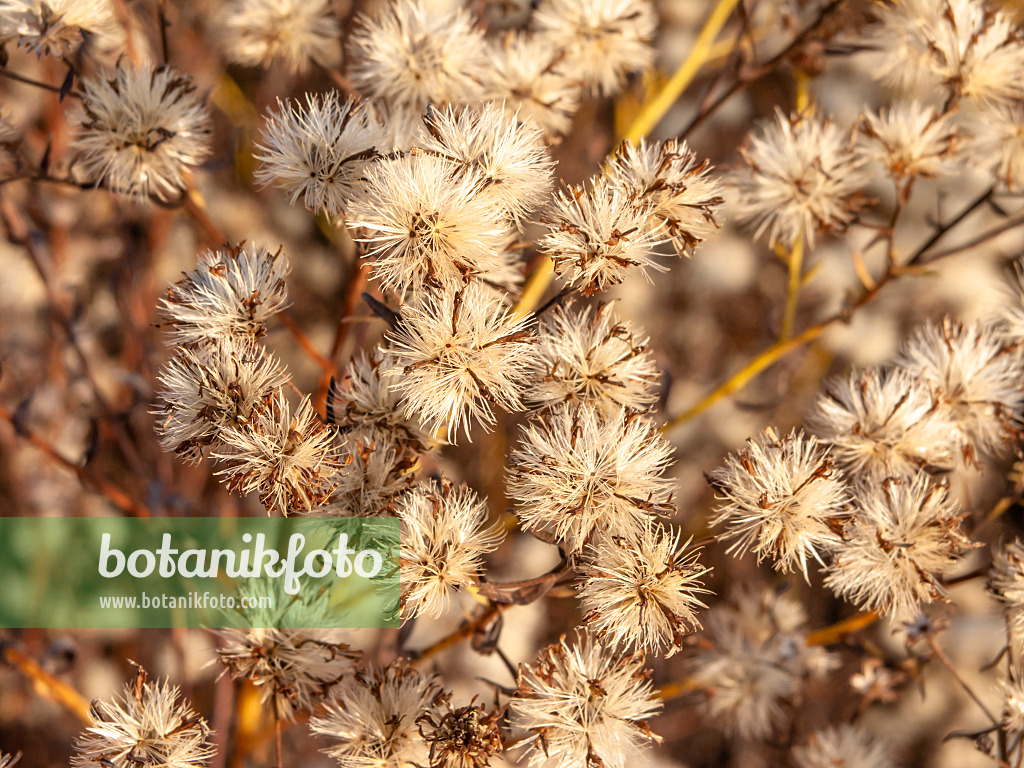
[
  {"x": 654, "y": 109},
  {"x": 796, "y": 267},
  {"x": 534, "y": 289},
  {"x": 676, "y": 689},
  {"x": 803, "y": 90},
  {"x": 839, "y": 630},
  {"x": 739, "y": 379}
]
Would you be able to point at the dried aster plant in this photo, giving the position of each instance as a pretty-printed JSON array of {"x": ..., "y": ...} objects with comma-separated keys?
[
  {"x": 149, "y": 726},
  {"x": 467, "y": 737},
  {"x": 1007, "y": 583},
  {"x": 904, "y": 536},
  {"x": 293, "y": 668},
  {"x": 642, "y": 594},
  {"x": 783, "y": 499},
  {"x": 140, "y": 131},
  {"x": 577, "y": 472},
  {"x": 910, "y": 139},
  {"x": 288, "y": 460},
  {"x": 231, "y": 293},
  {"x": 443, "y": 541},
  {"x": 256, "y": 33},
  {"x": 588, "y": 356},
  {"x": 583, "y": 705},
  {"x": 458, "y": 355},
  {"x": 319, "y": 151},
  {"x": 372, "y": 717},
  {"x": 58, "y": 27}
]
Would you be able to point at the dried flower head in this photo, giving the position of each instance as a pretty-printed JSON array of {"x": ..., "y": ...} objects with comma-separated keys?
[
  {"x": 373, "y": 472},
  {"x": 140, "y": 131},
  {"x": 58, "y": 27},
  {"x": 372, "y": 717},
  {"x": 256, "y": 33},
  {"x": 1010, "y": 311},
  {"x": 589, "y": 356},
  {"x": 444, "y": 539},
  {"x": 784, "y": 499},
  {"x": 231, "y": 293},
  {"x": 996, "y": 143},
  {"x": 845, "y": 745},
  {"x": 507, "y": 158},
  {"x": 642, "y": 594},
  {"x": 293, "y": 668},
  {"x": 754, "y": 661},
  {"x": 427, "y": 224},
  {"x": 976, "y": 375},
  {"x": 1007, "y": 583},
  {"x": 577, "y": 471},
  {"x": 416, "y": 54},
  {"x": 905, "y": 535},
  {"x": 319, "y": 152},
  {"x": 596, "y": 235},
  {"x": 910, "y": 139},
  {"x": 288, "y": 460},
  {"x": 467, "y": 737},
  {"x": 583, "y": 706},
  {"x": 456, "y": 356},
  {"x": 951, "y": 48},
  {"x": 210, "y": 387},
  {"x": 800, "y": 175},
  {"x": 525, "y": 77},
  {"x": 601, "y": 40},
  {"x": 666, "y": 179},
  {"x": 147, "y": 727},
  {"x": 882, "y": 423},
  {"x": 365, "y": 400}
]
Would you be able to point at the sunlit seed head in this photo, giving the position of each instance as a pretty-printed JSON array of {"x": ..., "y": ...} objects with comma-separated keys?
[{"x": 257, "y": 33}]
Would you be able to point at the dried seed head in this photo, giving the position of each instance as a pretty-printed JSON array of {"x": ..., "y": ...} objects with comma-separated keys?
[
  {"x": 1007, "y": 583},
  {"x": 58, "y": 27},
  {"x": 289, "y": 461},
  {"x": 910, "y": 139},
  {"x": 231, "y": 292},
  {"x": 583, "y": 706},
  {"x": 140, "y": 131},
  {"x": 467, "y": 737},
  {"x": 256, "y": 33},
  {"x": 372, "y": 717},
  {"x": 149, "y": 726},
  {"x": 845, "y": 745}
]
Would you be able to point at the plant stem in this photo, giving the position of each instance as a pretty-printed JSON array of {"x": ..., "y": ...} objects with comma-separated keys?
[{"x": 796, "y": 268}]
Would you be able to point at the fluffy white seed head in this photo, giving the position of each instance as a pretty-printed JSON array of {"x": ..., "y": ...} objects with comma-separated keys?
[
  {"x": 587, "y": 356},
  {"x": 371, "y": 720},
  {"x": 800, "y": 176},
  {"x": 231, "y": 293},
  {"x": 678, "y": 190},
  {"x": 288, "y": 460},
  {"x": 881, "y": 423},
  {"x": 457, "y": 356},
  {"x": 1011, "y": 689},
  {"x": 294, "y": 669},
  {"x": 209, "y": 387},
  {"x": 910, "y": 139},
  {"x": 783, "y": 499},
  {"x": 596, "y": 236},
  {"x": 507, "y": 158},
  {"x": 996, "y": 143},
  {"x": 583, "y": 705},
  {"x": 139, "y": 131},
  {"x": 576, "y": 472},
  {"x": 950, "y": 48},
  {"x": 601, "y": 41},
  {"x": 416, "y": 54},
  {"x": 526, "y": 77},
  {"x": 318, "y": 152},
  {"x": 642, "y": 594},
  {"x": 427, "y": 225},
  {"x": 148, "y": 726},
  {"x": 753, "y": 662},
  {"x": 444, "y": 538},
  {"x": 906, "y": 534},
  {"x": 845, "y": 745},
  {"x": 58, "y": 27},
  {"x": 976, "y": 374},
  {"x": 1010, "y": 311},
  {"x": 256, "y": 33}
]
